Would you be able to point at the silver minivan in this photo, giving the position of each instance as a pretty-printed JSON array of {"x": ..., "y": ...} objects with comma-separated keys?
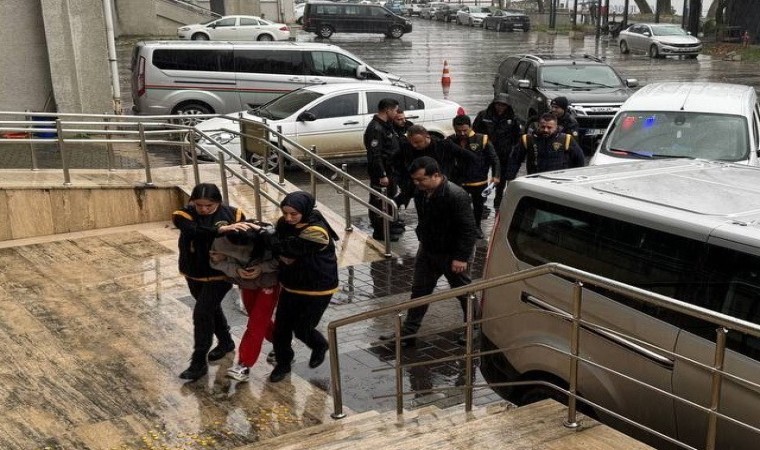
[
  {"x": 176, "y": 77},
  {"x": 685, "y": 229}
]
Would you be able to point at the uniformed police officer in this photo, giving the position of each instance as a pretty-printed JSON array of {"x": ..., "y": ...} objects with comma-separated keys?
[
  {"x": 566, "y": 122},
  {"x": 382, "y": 144},
  {"x": 545, "y": 150}
]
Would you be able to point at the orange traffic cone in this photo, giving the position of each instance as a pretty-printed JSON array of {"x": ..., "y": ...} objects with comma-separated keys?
[{"x": 445, "y": 78}]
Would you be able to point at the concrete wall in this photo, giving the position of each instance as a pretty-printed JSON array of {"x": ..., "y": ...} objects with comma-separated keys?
[
  {"x": 135, "y": 17},
  {"x": 24, "y": 67}
]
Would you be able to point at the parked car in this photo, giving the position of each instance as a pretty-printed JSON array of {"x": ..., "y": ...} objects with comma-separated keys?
[
  {"x": 659, "y": 40},
  {"x": 501, "y": 20},
  {"x": 326, "y": 18},
  {"x": 333, "y": 118},
  {"x": 446, "y": 13},
  {"x": 396, "y": 7},
  {"x": 236, "y": 28},
  {"x": 706, "y": 120},
  {"x": 428, "y": 11},
  {"x": 594, "y": 89},
  {"x": 414, "y": 7},
  {"x": 472, "y": 15}
]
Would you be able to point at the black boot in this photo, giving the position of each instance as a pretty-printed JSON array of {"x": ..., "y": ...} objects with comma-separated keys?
[
  {"x": 221, "y": 350},
  {"x": 196, "y": 370},
  {"x": 279, "y": 372}
]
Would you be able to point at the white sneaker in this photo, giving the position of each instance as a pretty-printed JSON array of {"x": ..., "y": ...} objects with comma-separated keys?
[{"x": 239, "y": 372}]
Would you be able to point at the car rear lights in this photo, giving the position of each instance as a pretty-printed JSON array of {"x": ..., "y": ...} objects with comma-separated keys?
[
  {"x": 141, "y": 77},
  {"x": 284, "y": 28}
]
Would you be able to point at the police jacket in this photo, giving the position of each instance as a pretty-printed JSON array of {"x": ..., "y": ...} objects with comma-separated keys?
[
  {"x": 544, "y": 153},
  {"x": 446, "y": 225},
  {"x": 245, "y": 250},
  {"x": 568, "y": 124},
  {"x": 197, "y": 234},
  {"x": 382, "y": 144},
  {"x": 311, "y": 244},
  {"x": 503, "y": 130},
  {"x": 476, "y": 172}
]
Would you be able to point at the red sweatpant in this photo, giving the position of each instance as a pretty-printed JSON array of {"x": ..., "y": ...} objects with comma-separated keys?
[{"x": 260, "y": 304}]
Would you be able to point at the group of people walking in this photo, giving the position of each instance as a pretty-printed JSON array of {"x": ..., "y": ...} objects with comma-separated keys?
[
  {"x": 289, "y": 270},
  {"x": 291, "y": 266}
]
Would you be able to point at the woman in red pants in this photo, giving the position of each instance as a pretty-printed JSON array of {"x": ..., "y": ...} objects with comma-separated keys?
[{"x": 245, "y": 257}]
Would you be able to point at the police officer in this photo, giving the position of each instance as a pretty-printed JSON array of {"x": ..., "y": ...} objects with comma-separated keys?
[
  {"x": 382, "y": 143},
  {"x": 565, "y": 119},
  {"x": 546, "y": 149},
  {"x": 498, "y": 122},
  {"x": 474, "y": 176}
]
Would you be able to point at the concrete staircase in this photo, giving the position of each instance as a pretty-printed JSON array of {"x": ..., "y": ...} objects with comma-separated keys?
[{"x": 497, "y": 426}]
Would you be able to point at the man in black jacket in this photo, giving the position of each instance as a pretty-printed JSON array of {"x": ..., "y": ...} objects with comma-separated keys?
[
  {"x": 566, "y": 121},
  {"x": 447, "y": 234},
  {"x": 545, "y": 150},
  {"x": 499, "y": 123}
]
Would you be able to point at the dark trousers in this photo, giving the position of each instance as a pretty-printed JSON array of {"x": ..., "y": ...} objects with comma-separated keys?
[
  {"x": 428, "y": 268},
  {"x": 208, "y": 317},
  {"x": 476, "y": 194},
  {"x": 298, "y": 315},
  {"x": 501, "y": 186},
  {"x": 375, "y": 219}
]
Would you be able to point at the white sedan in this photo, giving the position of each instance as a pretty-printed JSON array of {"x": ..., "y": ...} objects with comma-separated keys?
[
  {"x": 236, "y": 28},
  {"x": 332, "y": 117},
  {"x": 472, "y": 15}
]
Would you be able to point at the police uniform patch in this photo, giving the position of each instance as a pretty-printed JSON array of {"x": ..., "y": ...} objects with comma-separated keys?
[
  {"x": 374, "y": 143},
  {"x": 473, "y": 147},
  {"x": 556, "y": 146},
  {"x": 575, "y": 134}
]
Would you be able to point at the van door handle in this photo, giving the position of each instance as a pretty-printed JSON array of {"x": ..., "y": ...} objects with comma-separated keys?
[
  {"x": 294, "y": 79},
  {"x": 315, "y": 80},
  {"x": 616, "y": 338},
  {"x": 352, "y": 122}
]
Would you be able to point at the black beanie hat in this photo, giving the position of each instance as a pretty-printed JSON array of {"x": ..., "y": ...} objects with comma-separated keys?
[{"x": 561, "y": 102}]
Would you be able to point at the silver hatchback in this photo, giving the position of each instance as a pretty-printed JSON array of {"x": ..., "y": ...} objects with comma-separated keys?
[{"x": 659, "y": 40}]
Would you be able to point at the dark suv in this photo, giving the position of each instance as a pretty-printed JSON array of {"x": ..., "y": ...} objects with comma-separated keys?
[{"x": 595, "y": 91}]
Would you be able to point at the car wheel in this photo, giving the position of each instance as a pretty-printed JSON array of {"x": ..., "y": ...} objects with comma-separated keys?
[
  {"x": 265, "y": 37},
  {"x": 653, "y": 51},
  {"x": 396, "y": 32},
  {"x": 325, "y": 31},
  {"x": 199, "y": 37},
  {"x": 190, "y": 111},
  {"x": 299, "y": 21},
  {"x": 624, "y": 48},
  {"x": 257, "y": 161}
]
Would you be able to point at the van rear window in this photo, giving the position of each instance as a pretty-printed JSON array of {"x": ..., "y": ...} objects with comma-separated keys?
[{"x": 195, "y": 60}]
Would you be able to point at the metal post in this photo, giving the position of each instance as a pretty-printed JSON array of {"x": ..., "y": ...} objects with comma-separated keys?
[
  {"x": 146, "y": 159},
  {"x": 386, "y": 227},
  {"x": 194, "y": 155},
  {"x": 572, "y": 420},
  {"x": 625, "y": 13},
  {"x": 186, "y": 149},
  {"x": 223, "y": 178},
  {"x": 684, "y": 13},
  {"x": 62, "y": 151},
  {"x": 280, "y": 157},
  {"x": 33, "y": 154},
  {"x": 332, "y": 337},
  {"x": 346, "y": 198},
  {"x": 265, "y": 162},
  {"x": 468, "y": 352},
  {"x": 257, "y": 196},
  {"x": 313, "y": 171},
  {"x": 717, "y": 381},
  {"x": 109, "y": 145},
  {"x": 575, "y": 14},
  {"x": 399, "y": 369}
]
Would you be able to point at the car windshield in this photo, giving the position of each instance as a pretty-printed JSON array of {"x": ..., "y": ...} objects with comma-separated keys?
[
  {"x": 668, "y": 30},
  {"x": 678, "y": 134},
  {"x": 579, "y": 77},
  {"x": 287, "y": 105},
  {"x": 478, "y": 9}
]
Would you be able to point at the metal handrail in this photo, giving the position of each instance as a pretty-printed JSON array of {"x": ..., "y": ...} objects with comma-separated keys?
[
  {"x": 579, "y": 277},
  {"x": 111, "y": 129}
]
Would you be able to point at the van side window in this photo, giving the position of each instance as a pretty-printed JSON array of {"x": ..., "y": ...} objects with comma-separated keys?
[
  {"x": 203, "y": 60},
  {"x": 543, "y": 232},
  {"x": 331, "y": 64},
  {"x": 338, "y": 106},
  {"x": 405, "y": 102},
  {"x": 327, "y": 9},
  {"x": 269, "y": 61}
]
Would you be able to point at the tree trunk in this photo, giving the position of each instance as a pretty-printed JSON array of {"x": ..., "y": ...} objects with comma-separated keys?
[{"x": 643, "y": 6}]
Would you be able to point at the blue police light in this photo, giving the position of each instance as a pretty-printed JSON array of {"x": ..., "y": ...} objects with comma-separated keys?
[{"x": 649, "y": 122}]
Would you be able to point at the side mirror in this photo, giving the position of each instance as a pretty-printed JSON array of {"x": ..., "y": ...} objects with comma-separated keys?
[
  {"x": 212, "y": 25},
  {"x": 647, "y": 34},
  {"x": 524, "y": 84},
  {"x": 631, "y": 82},
  {"x": 361, "y": 72},
  {"x": 306, "y": 116}
]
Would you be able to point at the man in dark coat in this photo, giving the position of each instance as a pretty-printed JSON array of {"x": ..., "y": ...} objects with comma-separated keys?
[
  {"x": 545, "y": 150},
  {"x": 447, "y": 234},
  {"x": 566, "y": 121}
]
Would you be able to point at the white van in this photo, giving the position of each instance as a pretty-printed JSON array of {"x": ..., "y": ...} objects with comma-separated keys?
[
  {"x": 201, "y": 77},
  {"x": 685, "y": 229},
  {"x": 714, "y": 121}
]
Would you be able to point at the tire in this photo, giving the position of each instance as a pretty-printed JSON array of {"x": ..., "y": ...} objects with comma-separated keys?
[
  {"x": 691, "y": 56},
  {"x": 256, "y": 160},
  {"x": 472, "y": 24},
  {"x": 395, "y": 32},
  {"x": 265, "y": 38},
  {"x": 199, "y": 37},
  {"x": 624, "y": 47},
  {"x": 325, "y": 31},
  {"x": 190, "y": 109},
  {"x": 653, "y": 52},
  {"x": 299, "y": 21}
]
